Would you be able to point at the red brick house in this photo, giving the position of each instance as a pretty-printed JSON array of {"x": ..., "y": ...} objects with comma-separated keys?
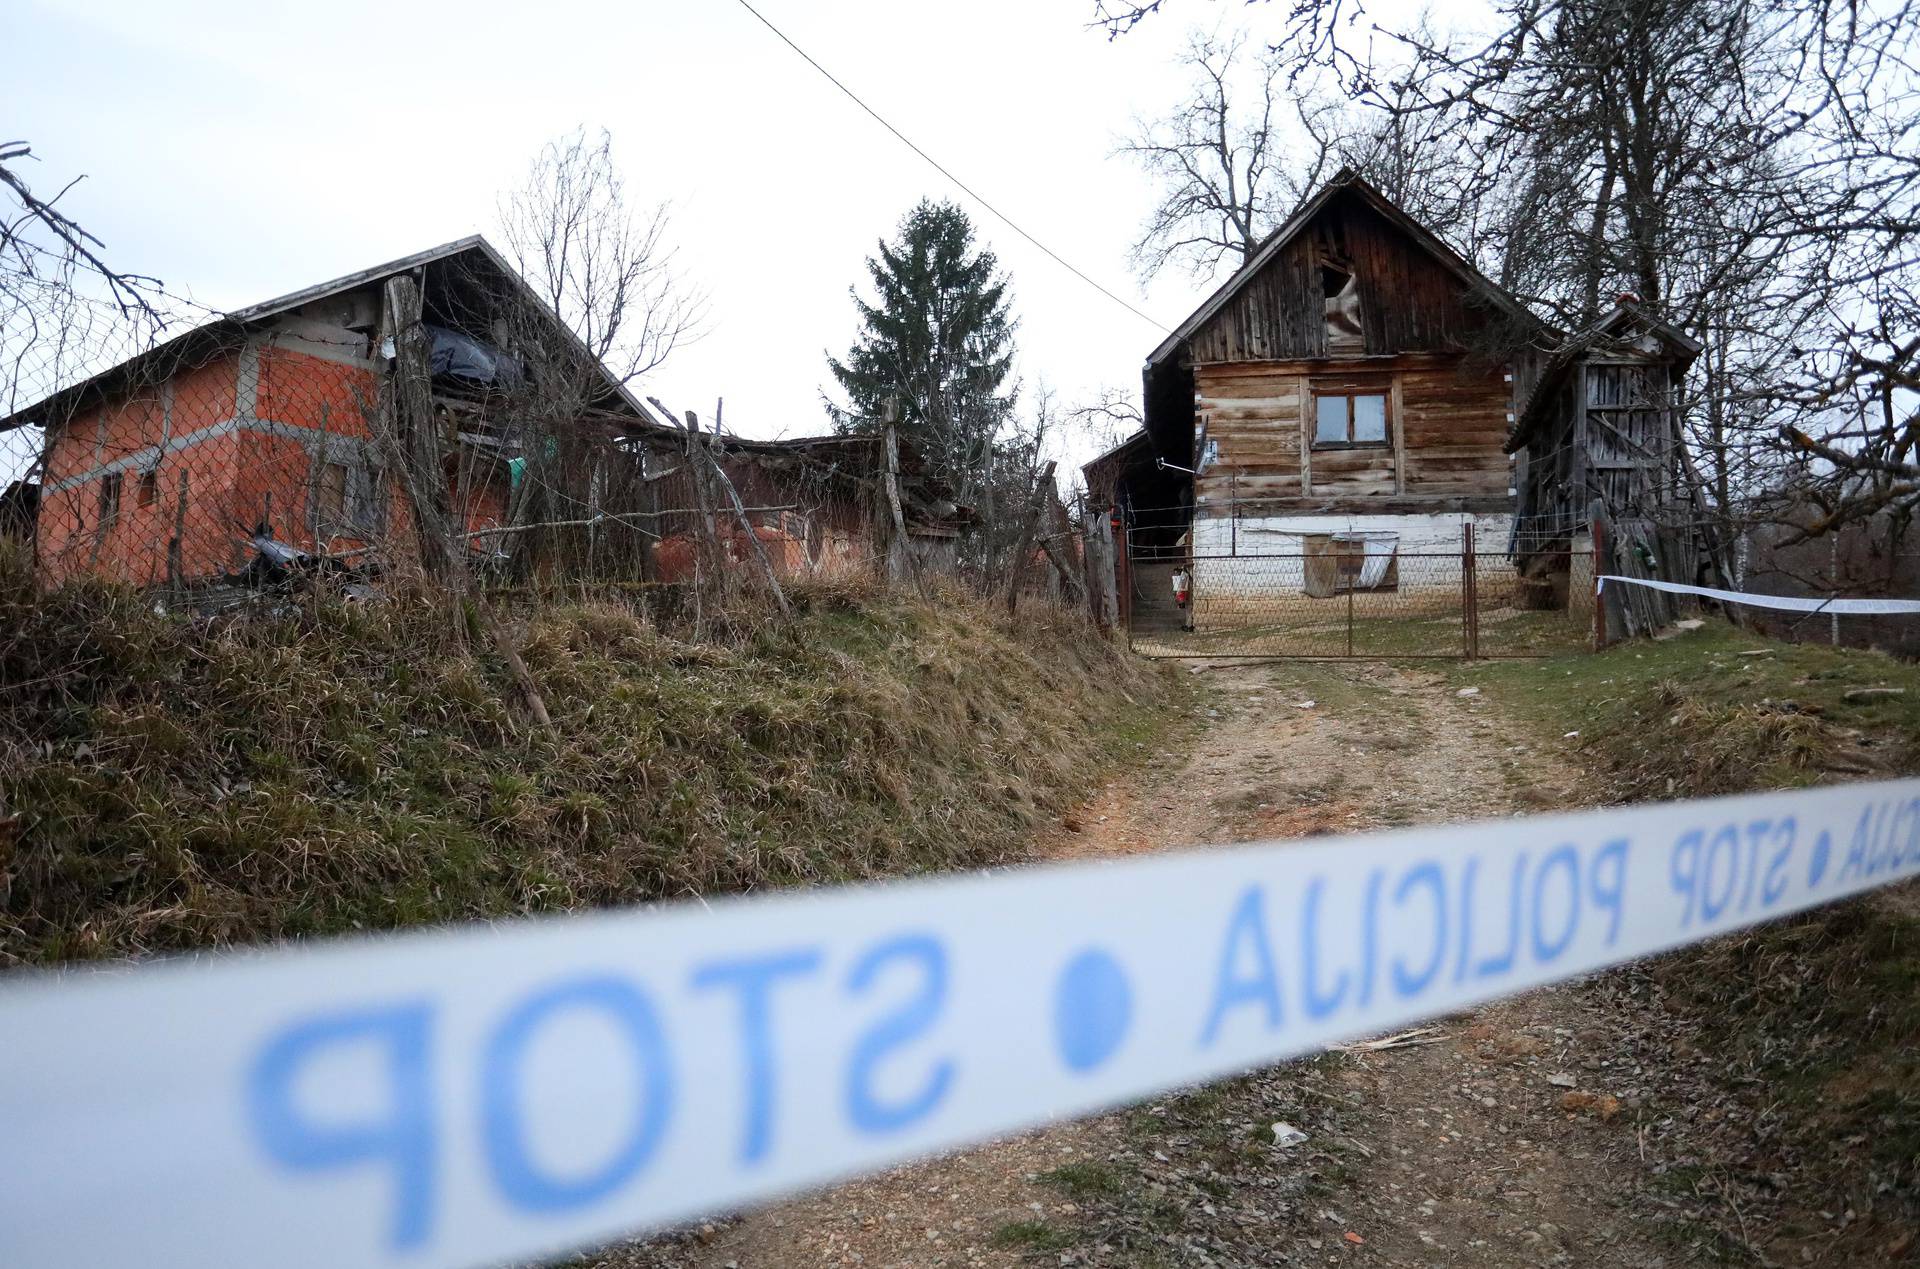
[{"x": 162, "y": 468}]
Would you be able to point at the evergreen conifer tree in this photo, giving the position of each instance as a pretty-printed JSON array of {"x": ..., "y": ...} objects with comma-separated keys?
[{"x": 935, "y": 347}]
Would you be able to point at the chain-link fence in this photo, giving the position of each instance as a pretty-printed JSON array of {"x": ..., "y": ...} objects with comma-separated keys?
[
  {"x": 422, "y": 420},
  {"x": 1358, "y": 594}
]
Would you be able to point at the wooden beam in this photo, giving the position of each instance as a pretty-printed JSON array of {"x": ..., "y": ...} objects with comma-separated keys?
[{"x": 1036, "y": 505}]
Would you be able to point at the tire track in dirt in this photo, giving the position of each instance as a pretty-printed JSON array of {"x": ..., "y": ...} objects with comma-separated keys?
[{"x": 1500, "y": 1144}]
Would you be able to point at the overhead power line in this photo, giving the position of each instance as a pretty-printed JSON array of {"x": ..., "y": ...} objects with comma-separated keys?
[{"x": 938, "y": 167}]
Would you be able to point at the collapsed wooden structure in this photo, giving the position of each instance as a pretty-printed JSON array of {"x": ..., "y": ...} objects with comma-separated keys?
[{"x": 331, "y": 425}]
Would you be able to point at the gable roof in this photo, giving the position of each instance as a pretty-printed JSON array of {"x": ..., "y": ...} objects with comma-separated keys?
[
  {"x": 224, "y": 333},
  {"x": 1627, "y": 315},
  {"x": 1346, "y": 180}
]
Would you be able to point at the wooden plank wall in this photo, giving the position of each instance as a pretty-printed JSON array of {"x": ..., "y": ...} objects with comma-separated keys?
[
  {"x": 1454, "y": 431},
  {"x": 1254, "y": 412},
  {"x": 1408, "y": 300},
  {"x": 1450, "y": 429}
]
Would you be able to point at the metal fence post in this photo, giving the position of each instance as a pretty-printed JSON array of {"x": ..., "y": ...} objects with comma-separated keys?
[
  {"x": 1469, "y": 595},
  {"x": 1598, "y": 533},
  {"x": 1233, "y": 512},
  {"x": 1352, "y": 581}
]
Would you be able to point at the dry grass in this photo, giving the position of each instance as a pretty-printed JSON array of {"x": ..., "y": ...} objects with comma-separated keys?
[
  {"x": 168, "y": 783},
  {"x": 1720, "y": 710},
  {"x": 1814, "y": 1021}
]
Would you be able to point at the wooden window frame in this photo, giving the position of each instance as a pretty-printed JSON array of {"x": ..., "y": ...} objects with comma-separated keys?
[
  {"x": 1349, "y": 392},
  {"x": 107, "y": 499}
]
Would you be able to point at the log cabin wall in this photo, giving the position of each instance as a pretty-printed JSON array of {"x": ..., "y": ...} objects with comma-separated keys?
[
  {"x": 1446, "y": 426},
  {"x": 1259, "y": 362}
]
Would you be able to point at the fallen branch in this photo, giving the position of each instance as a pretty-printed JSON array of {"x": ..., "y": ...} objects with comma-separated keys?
[
  {"x": 604, "y": 516},
  {"x": 1400, "y": 1040}
]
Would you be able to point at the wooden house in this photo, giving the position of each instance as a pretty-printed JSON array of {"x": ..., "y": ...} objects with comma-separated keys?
[
  {"x": 1352, "y": 382},
  {"x": 1357, "y": 392}
]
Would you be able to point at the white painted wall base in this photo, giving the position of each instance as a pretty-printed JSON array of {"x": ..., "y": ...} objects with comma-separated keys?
[{"x": 1235, "y": 566}]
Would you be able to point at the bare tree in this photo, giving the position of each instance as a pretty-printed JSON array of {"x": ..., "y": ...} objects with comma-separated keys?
[
  {"x": 1229, "y": 159},
  {"x": 64, "y": 310},
  {"x": 605, "y": 269},
  {"x": 1747, "y": 167},
  {"x": 1112, "y": 414},
  {"x": 606, "y": 272}
]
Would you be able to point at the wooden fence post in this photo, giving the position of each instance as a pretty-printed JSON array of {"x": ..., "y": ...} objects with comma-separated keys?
[
  {"x": 1597, "y": 530},
  {"x": 901, "y": 562},
  {"x": 1036, "y": 505}
]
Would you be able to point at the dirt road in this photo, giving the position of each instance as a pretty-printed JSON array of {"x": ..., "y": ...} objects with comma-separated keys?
[{"x": 1502, "y": 1138}]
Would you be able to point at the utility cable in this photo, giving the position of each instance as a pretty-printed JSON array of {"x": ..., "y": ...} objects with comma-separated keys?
[{"x": 936, "y": 165}]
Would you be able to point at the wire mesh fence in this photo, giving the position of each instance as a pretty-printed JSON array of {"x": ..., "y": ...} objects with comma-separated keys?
[
  {"x": 424, "y": 421},
  {"x": 1359, "y": 597}
]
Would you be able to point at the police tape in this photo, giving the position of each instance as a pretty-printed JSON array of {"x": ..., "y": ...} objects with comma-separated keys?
[
  {"x": 501, "y": 1093},
  {"x": 1785, "y": 603}
]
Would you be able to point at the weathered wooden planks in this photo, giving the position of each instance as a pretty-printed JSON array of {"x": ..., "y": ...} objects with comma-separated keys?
[
  {"x": 1449, "y": 428},
  {"x": 1408, "y": 300}
]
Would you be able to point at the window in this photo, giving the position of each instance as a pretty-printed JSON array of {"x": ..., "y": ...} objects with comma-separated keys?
[
  {"x": 367, "y": 501},
  {"x": 330, "y": 496},
  {"x": 349, "y": 499},
  {"x": 149, "y": 487},
  {"x": 109, "y": 498},
  {"x": 1349, "y": 418}
]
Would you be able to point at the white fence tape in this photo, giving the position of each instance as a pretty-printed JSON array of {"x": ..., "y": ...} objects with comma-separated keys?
[
  {"x": 474, "y": 1096},
  {"x": 1785, "y": 603}
]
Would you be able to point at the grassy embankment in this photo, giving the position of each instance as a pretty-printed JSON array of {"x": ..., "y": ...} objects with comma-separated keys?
[
  {"x": 1811, "y": 1026},
  {"x": 167, "y": 784}
]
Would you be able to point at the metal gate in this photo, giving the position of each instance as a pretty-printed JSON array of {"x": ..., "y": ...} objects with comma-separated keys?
[{"x": 1341, "y": 600}]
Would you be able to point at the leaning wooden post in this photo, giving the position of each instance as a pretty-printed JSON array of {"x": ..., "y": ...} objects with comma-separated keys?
[
  {"x": 414, "y": 440},
  {"x": 1036, "y": 505},
  {"x": 1071, "y": 588},
  {"x": 700, "y": 454},
  {"x": 900, "y": 546},
  {"x": 1597, "y": 530},
  {"x": 416, "y": 437},
  {"x": 176, "y": 572},
  {"x": 746, "y": 525}
]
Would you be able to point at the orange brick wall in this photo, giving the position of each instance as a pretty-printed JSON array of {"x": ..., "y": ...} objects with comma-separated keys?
[{"x": 235, "y": 480}]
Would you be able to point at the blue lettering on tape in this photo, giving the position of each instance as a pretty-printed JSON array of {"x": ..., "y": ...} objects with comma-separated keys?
[
  {"x": 1231, "y": 989},
  {"x": 503, "y": 1121},
  {"x": 1092, "y": 1009},
  {"x": 753, "y": 978},
  {"x": 1317, "y": 1003},
  {"x": 403, "y": 1139},
  {"x": 1775, "y": 884},
  {"x": 1501, "y": 962},
  {"x": 865, "y": 1108},
  {"x": 1547, "y": 949},
  {"x": 1817, "y": 862},
  {"x": 1609, "y": 888},
  {"x": 1425, "y": 873}
]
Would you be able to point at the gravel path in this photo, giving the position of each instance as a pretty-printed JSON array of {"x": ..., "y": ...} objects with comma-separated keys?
[{"x": 1507, "y": 1140}]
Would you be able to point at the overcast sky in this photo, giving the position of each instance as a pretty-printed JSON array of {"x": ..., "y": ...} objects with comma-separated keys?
[{"x": 239, "y": 150}]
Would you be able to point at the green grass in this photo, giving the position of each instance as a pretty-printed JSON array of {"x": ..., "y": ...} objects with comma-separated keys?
[
  {"x": 1815, "y": 1020},
  {"x": 1032, "y": 1236},
  {"x": 168, "y": 783},
  {"x": 1084, "y": 1182},
  {"x": 1717, "y": 710}
]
